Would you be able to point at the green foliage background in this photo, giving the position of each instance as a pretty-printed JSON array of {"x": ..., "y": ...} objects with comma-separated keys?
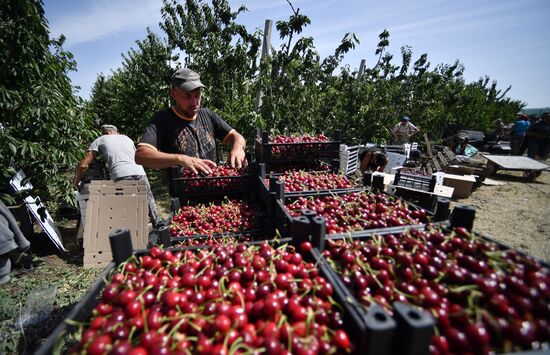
[
  {"x": 46, "y": 127},
  {"x": 301, "y": 91},
  {"x": 42, "y": 123}
]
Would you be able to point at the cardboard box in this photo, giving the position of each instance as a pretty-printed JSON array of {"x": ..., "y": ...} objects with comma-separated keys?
[
  {"x": 464, "y": 170},
  {"x": 113, "y": 206},
  {"x": 459, "y": 170},
  {"x": 462, "y": 184}
]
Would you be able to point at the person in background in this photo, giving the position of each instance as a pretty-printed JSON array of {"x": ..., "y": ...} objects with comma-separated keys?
[
  {"x": 185, "y": 134},
  {"x": 118, "y": 150},
  {"x": 518, "y": 132},
  {"x": 459, "y": 144},
  {"x": 499, "y": 129},
  {"x": 13, "y": 243},
  {"x": 372, "y": 160},
  {"x": 539, "y": 138},
  {"x": 404, "y": 130},
  {"x": 532, "y": 120}
]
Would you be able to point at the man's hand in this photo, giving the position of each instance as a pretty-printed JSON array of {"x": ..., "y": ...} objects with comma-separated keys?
[
  {"x": 196, "y": 165},
  {"x": 237, "y": 158}
]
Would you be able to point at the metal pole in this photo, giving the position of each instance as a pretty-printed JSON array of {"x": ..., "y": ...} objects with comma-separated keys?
[
  {"x": 265, "y": 54},
  {"x": 361, "y": 68}
]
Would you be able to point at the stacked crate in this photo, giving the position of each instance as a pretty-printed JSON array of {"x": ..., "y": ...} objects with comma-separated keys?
[{"x": 363, "y": 270}]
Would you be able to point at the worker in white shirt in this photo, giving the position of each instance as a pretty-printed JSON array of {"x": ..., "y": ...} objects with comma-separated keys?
[{"x": 404, "y": 130}]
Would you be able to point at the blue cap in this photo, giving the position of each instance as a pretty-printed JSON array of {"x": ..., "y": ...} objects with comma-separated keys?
[{"x": 405, "y": 118}]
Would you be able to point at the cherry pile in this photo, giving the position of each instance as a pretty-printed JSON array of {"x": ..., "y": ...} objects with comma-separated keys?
[
  {"x": 484, "y": 298},
  {"x": 308, "y": 181},
  {"x": 303, "y": 138},
  {"x": 358, "y": 211},
  {"x": 304, "y": 146},
  {"x": 309, "y": 165},
  {"x": 222, "y": 178},
  {"x": 416, "y": 172},
  {"x": 229, "y": 299},
  {"x": 211, "y": 241},
  {"x": 218, "y": 171},
  {"x": 228, "y": 216}
]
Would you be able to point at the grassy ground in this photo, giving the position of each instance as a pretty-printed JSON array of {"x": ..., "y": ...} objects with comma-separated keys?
[{"x": 59, "y": 277}]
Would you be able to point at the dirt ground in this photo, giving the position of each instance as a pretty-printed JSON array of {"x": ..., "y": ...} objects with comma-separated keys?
[{"x": 516, "y": 213}]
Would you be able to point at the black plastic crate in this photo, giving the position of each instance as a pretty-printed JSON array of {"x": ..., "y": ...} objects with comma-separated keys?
[
  {"x": 64, "y": 336},
  {"x": 274, "y": 168},
  {"x": 304, "y": 152},
  {"x": 274, "y": 179},
  {"x": 203, "y": 188},
  {"x": 272, "y": 188},
  {"x": 436, "y": 205},
  {"x": 415, "y": 332},
  {"x": 413, "y": 181},
  {"x": 283, "y": 218},
  {"x": 161, "y": 236},
  {"x": 260, "y": 229}
]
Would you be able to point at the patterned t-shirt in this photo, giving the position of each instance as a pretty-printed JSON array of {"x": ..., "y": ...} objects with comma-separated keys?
[{"x": 171, "y": 133}]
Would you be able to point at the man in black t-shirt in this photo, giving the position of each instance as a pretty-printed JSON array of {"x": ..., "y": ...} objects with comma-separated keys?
[{"x": 185, "y": 134}]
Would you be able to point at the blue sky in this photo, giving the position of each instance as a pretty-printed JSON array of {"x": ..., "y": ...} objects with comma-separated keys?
[{"x": 507, "y": 40}]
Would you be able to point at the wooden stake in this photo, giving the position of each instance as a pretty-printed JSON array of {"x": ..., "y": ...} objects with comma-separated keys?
[{"x": 428, "y": 147}]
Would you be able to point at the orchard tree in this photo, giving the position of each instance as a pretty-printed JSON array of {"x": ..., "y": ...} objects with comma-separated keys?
[
  {"x": 134, "y": 92},
  {"x": 222, "y": 51},
  {"x": 296, "y": 78},
  {"x": 43, "y": 126},
  {"x": 301, "y": 92}
]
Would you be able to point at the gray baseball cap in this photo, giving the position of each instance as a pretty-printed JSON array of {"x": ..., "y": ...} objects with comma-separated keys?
[
  {"x": 108, "y": 127},
  {"x": 187, "y": 80}
]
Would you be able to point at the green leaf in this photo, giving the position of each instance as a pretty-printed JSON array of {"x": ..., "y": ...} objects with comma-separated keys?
[{"x": 12, "y": 148}]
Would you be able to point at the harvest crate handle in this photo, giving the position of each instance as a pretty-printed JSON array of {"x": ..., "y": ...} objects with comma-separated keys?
[
  {"x": 378, "y": 182},
  {"x": 175, "y": 204},
  {"x": 318, "y": 233},
  {"x": 164, "y": 236},
  {"x": 442, "y": 210},
  {"x": 367, "y": 178},
  {"x": 299, "y": 230},
  {"x": 415, "y": 328},
  {"x": 463, "y": 216},
  {"x": 121, "y": 245}
]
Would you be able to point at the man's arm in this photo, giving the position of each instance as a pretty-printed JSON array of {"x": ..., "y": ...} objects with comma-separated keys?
[
  {"x": 237, "y": 156},
  {"x": 150, "y": 157},
  {"x": 395, "y": 132},
  {"x": 83, "y": 166}
]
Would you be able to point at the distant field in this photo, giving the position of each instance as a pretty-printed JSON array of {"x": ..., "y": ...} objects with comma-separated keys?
[{"x": 536, "y": 111}]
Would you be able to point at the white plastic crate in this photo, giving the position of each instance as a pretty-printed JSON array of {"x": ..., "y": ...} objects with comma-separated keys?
[{"x": 349, "y": 157}]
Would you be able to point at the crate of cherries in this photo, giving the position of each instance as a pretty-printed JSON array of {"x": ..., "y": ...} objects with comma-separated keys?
[
  {"x": 305, "y": 181},
  {"x": 351, "y": 212},
  {"x": 485, "y": 298},
  {"x": 230, "y": 216},
  {"x": 223, "y": 180},
  {"x": 302, "y": 147},
  {"x": 226, "y": 299}
]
